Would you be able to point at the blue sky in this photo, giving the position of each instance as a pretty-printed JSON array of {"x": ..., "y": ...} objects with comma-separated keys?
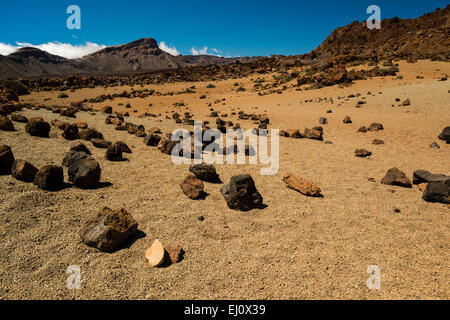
[{"x": 233, "y": 28}]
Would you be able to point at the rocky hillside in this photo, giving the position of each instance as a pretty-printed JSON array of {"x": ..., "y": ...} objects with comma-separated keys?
[{"x": 423, "y": 37}]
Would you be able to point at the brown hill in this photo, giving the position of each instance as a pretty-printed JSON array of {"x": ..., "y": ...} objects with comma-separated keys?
[
  {"x": 140, "y": 55},
  {"x": 423, "y": 37}
]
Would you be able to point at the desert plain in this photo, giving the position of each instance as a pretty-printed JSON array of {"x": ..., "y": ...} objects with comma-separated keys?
[{"x": 296, "y": 247}]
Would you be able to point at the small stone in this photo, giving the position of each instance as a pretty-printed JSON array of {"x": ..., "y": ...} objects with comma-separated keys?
[
  {"x": 155, "y": 253},
  {"x": 192, "y": 187},
  {"x": 347, "y": 119},
  {"x": 152, "y": 140},
  {"x": 395, "y": 177},
  {"x": 80, "y": 147},
  {"x": 323, "y": 120},
  {"x": 100, "y": 143},
  {"x": 362, "y": 153},
  {"x": 166, "y": 146},
  {"x": 377, "y": 142},
  {"x": 302, "y": 185},
  {"x": 434, "y": 145},
  {"x": 174, "y": 253},
  {"x": 88, "y": 134},
  {"x": 19, "y": 118},
  {"x": 313, "y": 134},
  {"x": 376, "y": 127},
  {"x": 204, "y": 172},
  {"x": 38, "y": 128}
]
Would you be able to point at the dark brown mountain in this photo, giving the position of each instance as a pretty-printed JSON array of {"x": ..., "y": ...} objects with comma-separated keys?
[
  {"x": 423, "y": 37},
  {"x": 137, "y": 56}
]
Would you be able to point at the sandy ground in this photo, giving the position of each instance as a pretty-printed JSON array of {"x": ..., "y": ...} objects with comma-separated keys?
[{"x": 295, "y": 248}]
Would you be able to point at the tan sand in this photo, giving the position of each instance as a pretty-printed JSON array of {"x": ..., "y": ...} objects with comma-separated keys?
[{"x": 295, "y": 248}]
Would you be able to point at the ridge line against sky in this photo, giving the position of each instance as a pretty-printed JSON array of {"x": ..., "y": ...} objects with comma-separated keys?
[{"x": 223, "y": 28}]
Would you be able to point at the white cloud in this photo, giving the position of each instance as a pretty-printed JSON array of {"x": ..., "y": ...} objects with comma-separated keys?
[
  {"x": 6, "y": 49},
  {"x": 65, "y": 50},
  {"x": 197, "y": 52},
  {"x": 169, "y": 48}
]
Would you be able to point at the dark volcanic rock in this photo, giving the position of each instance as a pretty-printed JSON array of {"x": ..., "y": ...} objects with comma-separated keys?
[
  {"x": 100, "y": 143},
  {"x": 166, "y": 146},
  {"x": 79, "y": 146},
  {"x": 437, "y": 192},
  {"x": 422, "y": 176},
  {"x": 241, "y": 194},
  {"x": 6, "y": 159},
  {"x": 71, "y": 132},
  {"x": 362, "y": 153},
  {"x": 38, "y": 128},
  {"x": 204, "y": 172},
  {"x": 192, "y": 187},
  {"x": 152, "y": 140},
  {"x": 84, "y": 171},
  {"x": 114, "y": 152},
  {"x": 50, "y": 178},
  {"x": 88, "y": 134},
  {"x": 395, "y": 177},
  {"x": 376, "y": 127},
  {"x": 19, "y": 118},
  {"x": 445, "y": 135},
  {"x": 108, "y": 229},
  {"x": 23, "y": 171},
  {"x": 6, "y": 124}
]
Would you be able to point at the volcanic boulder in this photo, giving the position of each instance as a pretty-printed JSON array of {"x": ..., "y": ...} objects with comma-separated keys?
[
  {"x": 23, "y": 171},
  {"x": 204, "y": 172},
  {"x": 100, "y": 143},
  {"x": 437, "y": 192},
  {"x": 50, "y": 178},
  {"x": 84, "y": 171},
  {"x": 152, "y": 140},
  {"x": 192, "y": 187},
  {"x": 166, "y": 146},
  {"x": 108, "y": 229},
  {"x": 70, "y": 132},
  {"x": 6, "y": 159},
  {"x": 423, "y": 176},
  {"x": 88, "y": 134},
  {"x": 79, "y": 146},
  {"x": 445, "y": 135},
  {"x": 395, "y": 177},
  {"x": 313, "y": 134},
  {"x": 19, "y": 118},
  {"x": 38, "y": 128},
  {"x": 6, "y": 124},
  {"x": 241, "y": 194}
]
